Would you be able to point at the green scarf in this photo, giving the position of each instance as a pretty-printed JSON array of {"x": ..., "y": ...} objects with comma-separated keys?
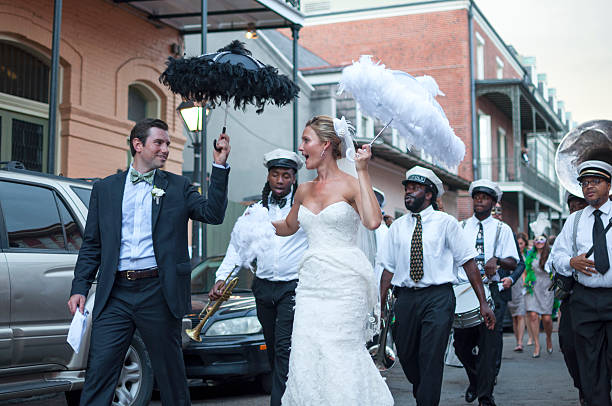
[{"x": 530, "y": 276}]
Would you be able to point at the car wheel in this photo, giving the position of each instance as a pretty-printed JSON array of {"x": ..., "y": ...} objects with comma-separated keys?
[
  {"x": 135, "y": 384},
  {"x": 265, "y": 383}
]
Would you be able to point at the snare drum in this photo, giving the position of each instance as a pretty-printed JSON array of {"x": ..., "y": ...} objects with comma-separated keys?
[{"x": 467, "y": 307}]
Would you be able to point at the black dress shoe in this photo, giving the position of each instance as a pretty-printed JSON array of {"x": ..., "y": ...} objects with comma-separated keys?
[{"x": 470, "y": 394}]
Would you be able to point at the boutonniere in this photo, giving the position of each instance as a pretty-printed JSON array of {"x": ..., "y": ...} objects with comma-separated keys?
[{"x": 157, "y": 193}]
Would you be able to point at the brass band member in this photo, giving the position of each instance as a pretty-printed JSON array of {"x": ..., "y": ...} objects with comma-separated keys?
[
  {"x": 419, "y": 258},
  {"x": 277, "y": 269},
  {"x": 591, "y": 300},
  {"x": 497, "y": 259}
]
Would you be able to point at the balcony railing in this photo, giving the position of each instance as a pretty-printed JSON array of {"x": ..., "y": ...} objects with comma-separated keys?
[{"x": 538, "y": 182}]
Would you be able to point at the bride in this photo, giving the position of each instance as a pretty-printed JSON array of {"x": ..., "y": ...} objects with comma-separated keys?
[{"x": 329, "y": 363}]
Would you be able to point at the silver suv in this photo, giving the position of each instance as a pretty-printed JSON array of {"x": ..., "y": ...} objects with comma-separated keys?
[{"x": 42, "y": 218}]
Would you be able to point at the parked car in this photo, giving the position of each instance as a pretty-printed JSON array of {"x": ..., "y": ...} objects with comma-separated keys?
[
  {"x": 233, "y": 346},
  {"x": 42, "y": 219}
]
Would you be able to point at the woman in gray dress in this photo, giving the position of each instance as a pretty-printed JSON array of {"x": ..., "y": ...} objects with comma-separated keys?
[
  {"x": 539, "y": 300},
  {"x": 517, "y": 304}
]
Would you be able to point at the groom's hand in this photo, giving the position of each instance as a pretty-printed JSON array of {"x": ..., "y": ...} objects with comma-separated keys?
[
  {"x": 221, "y": 150},
  {"x": 76, "y": 301}
]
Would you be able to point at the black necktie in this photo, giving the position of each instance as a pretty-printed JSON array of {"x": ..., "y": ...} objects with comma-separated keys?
[
  {"x": 416, "y": 250},
  {"x": 480, "y": 248},
  {"x": 600, "y": 247},
  {"x": 279, "y": 202}
]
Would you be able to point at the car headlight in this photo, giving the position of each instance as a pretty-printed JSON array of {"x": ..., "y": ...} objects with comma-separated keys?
[{"x": 239, "y": 325}]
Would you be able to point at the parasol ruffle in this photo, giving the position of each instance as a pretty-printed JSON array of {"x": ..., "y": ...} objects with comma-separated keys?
[{"x": 208, "y": 78}]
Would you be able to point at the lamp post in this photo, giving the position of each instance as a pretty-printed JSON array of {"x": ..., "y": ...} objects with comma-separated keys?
[{"x": 192, "y": 116}]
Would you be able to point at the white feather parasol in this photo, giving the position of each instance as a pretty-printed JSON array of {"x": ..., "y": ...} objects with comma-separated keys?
[
  {"x": 410, "y": 102},
  {"x": 253, "y": 234}
]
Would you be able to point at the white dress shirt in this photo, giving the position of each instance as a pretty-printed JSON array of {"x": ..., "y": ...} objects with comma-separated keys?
[
  {"x": 562, "y": 250},
  {"x": 506, "y": 247},
  {"x": 445, "y": 247},
  {"x": 381, "y": 236},
  {"x": 286, "y": 252},
  {"x": 136, "y": 251}
]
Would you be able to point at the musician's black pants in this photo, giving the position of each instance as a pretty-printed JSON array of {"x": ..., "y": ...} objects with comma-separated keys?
[
  {"x": 423, "y": 319},
  {"x": 481, "y": 368},
  {"x": 568, "y": 345},
  {"x": 500, "y": 311},
  {"x": 132, "y": 305},
  {"x": 591, "y": 310},
  {"x": 275, "y": 302}
]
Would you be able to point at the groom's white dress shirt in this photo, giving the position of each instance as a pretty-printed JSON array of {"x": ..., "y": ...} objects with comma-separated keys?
[
  {"x": 445, "y": 247},
  {"x": 286, "y": 252},
  {"x": 136, "y": 250}
]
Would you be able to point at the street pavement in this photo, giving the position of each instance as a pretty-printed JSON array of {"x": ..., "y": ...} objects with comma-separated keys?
[{"x": 523, "y": 380}]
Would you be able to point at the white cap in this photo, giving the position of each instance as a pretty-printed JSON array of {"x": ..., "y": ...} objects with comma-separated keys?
[
  {"x": 486, "y": 186},
  {"x": 424, "y": 176},
  {"x": 595, "y": 168},
  {"x": 283, "y": 159}
]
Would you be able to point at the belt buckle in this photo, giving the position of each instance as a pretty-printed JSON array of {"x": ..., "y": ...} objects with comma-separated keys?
[{"x": 131, "y": 275}]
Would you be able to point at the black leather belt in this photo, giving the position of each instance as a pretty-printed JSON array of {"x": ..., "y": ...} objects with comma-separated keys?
[{"x": 133, "y": 275}]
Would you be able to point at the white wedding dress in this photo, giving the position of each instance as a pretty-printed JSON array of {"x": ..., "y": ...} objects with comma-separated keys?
[{"x": 329, "y": 363}]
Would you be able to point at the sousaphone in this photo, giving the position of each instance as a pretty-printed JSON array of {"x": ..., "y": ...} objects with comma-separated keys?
[{"x": 588, "y": 141}]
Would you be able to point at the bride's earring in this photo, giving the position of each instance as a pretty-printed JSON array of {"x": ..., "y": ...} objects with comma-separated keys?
[{"x": 323, "y": 153}]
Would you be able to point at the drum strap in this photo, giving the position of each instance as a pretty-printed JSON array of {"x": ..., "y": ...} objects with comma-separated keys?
[{"x": 497, "y": 232}]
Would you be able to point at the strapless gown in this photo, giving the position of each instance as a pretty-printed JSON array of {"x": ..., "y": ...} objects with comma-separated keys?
[{"x": 329, "y": 363}]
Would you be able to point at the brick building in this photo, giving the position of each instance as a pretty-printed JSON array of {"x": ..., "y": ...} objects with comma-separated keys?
[
  {"x": 508, "y": 120},
  {"x": 110, "y": 59}
]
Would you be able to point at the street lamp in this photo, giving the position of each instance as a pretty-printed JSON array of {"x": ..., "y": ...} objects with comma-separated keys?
[{"x": 192, "y": 115}]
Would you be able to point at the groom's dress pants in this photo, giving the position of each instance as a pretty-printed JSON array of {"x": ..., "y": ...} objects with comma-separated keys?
[
  {"x": 275, "y": 302},
  {"x": 423, "y": 320},
  {"x": 137, "y": 304}
]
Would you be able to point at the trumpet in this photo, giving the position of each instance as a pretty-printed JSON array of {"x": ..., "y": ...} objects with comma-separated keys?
[
  {"x": 383, "y": 356},
  {"x": 209, "y": 310}
]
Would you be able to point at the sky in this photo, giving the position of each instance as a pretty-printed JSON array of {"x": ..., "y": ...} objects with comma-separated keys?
[{"x": 571, "y": 41}]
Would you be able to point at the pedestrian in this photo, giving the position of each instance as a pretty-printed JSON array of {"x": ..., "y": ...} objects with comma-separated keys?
[
  {"x": 516, "y": 305},
  {"x": 136, "y": 242},
  {"x": 539, "y": 299},
  {"x": 421, "y": 252},
  {"x": 591, "y": 300},
  {"x": 497, "y": 260},
  {"x": 277, "y": 268}
]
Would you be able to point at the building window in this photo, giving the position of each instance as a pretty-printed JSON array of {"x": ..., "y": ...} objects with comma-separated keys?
[
  {"x": 24, "y": 108},
  {"x": 142, "y": 102},
  {"x": 501, "y": 143},
  {"x": 484, "y": 145},
  {"x": 500, "y": 67},
  {"x": 480, "y": 59},
  {"x": 23, "y": 74}
]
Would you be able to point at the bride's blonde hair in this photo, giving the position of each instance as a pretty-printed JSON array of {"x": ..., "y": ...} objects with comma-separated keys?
[{"x": 323, "y": 126}]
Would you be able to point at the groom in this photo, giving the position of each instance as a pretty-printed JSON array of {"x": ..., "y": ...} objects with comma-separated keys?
[{"x": 136, "y": 241}]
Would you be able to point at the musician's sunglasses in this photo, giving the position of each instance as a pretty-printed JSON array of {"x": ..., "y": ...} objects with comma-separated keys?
[{"x": 594, "y": 182}]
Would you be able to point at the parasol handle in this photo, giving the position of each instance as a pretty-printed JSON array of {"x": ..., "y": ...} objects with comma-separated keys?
[{"x": 380, "y": 132}]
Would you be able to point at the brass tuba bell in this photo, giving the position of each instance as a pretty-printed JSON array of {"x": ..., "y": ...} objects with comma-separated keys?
[{"x": 588, "y": 141}]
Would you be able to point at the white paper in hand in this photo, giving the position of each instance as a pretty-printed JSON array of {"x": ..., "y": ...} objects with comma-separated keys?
[{"x": 77, "y": 330}]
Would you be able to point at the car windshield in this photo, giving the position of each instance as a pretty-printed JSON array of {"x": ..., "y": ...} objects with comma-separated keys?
[{"x": 203, "y": 276}]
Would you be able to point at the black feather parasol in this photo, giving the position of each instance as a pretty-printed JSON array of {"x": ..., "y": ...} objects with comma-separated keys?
[{"x": 230, "y": 74}]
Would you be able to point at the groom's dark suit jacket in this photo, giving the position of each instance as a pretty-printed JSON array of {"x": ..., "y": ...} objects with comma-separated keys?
[{"x": 102, "y": 239}]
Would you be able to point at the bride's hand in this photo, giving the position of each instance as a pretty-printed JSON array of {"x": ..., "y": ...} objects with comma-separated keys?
[{"x": 362, "y": 157}]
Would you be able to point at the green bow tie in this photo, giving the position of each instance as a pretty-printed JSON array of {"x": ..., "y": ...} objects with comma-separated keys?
[{"x": 136, "y": 176}]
